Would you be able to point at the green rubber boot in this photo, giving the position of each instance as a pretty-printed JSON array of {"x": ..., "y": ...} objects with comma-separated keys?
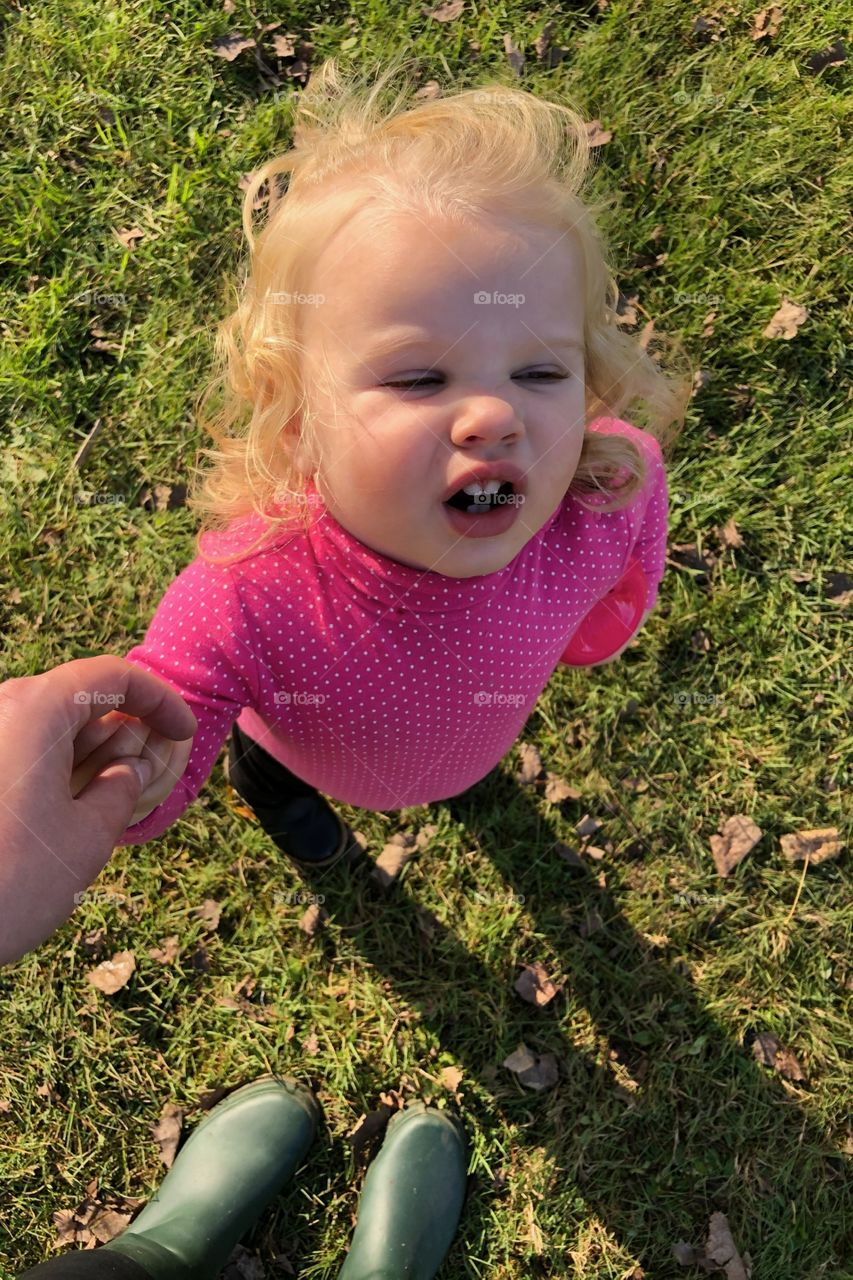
[
  {"x": 411, "y": 1200},
  {"x": 232, "y": 1165}
]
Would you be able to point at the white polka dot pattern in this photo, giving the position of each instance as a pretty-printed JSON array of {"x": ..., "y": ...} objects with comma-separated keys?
[{"x": 383, "y": 685}]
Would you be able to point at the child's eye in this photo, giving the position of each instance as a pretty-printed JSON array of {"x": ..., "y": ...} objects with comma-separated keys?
[{"x": 533, "y": 373}]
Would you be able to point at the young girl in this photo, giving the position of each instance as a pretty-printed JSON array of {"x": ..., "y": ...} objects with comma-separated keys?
[{"x": 424, "y": 487}]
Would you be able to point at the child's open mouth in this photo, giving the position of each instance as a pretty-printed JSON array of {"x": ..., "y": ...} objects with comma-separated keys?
[{"x": 483, "y": 510}]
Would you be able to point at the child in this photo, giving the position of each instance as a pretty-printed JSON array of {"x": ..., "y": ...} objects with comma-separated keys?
[{"x": 423, "y": 483}]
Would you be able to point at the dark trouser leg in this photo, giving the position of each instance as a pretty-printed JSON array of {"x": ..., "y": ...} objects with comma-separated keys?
[
  {"x": 85, "y": 1264},
  {"x": 258, "y": 776},
  {"x": 292, "y": 812}
]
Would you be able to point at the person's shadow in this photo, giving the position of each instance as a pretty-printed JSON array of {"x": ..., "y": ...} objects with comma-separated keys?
[{"x": 659, "y": 1116}]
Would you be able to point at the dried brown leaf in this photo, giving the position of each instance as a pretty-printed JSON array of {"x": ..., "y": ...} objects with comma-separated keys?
[
  {"x": 167, "y": 1132},
  {"x": 390, "y": 863},
  {"x": 514, "y": 55},
  {"x": 167, "y": 951},
  {"x": 111, "y": 975},
  {"x": 786, "y": 322},
  {"x": 130, "y": 236},
  {"x": 451, "y": 1077},
  {"x": 448, "y": 12},
  {"x": 531, "y": 764},
  {"x": 209, "y": 914},
  {"x": 598, "y": 136},
  {"x": 534, "y": 985},
  {"x": 230, "y": 46},
  {"x": 557, "y": 790},
  {"x": 819, "y": 844},
  {"x": 313, "y": 918},
  {"x": 738, "y": 835}
]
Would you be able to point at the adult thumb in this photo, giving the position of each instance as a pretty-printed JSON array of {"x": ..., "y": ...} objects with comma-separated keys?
[{"x": 113, "y": 793}]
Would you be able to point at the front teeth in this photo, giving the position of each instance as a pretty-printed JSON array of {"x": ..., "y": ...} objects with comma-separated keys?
[{"x": 490, "y": 487}]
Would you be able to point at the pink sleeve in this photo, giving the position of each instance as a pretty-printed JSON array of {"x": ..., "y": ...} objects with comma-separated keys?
[
  {"x": 653, "y": 507},
  {"x": 199, "y": 643}
]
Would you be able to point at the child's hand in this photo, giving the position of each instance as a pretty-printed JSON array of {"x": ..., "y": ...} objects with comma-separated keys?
[{"x": 116, "y": 736}]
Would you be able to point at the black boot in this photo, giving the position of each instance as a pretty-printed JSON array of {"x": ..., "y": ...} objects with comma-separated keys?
[{"x": 294, "y": 815}]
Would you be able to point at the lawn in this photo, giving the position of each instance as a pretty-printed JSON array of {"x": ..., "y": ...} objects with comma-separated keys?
[{"x": 730, "y": 174}]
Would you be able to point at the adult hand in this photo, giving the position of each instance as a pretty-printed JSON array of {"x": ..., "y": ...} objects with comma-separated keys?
[{"x": 79, "y": 746}]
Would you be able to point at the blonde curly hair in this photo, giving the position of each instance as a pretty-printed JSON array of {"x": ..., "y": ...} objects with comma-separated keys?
[{"x": 493, "y": 150}]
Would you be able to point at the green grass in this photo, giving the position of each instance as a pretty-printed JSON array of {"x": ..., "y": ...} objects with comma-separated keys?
[{"x": 118, "y": 116}]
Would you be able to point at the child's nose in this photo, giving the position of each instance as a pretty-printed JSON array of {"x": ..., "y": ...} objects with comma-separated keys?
[{"x": 488, "y": 419}]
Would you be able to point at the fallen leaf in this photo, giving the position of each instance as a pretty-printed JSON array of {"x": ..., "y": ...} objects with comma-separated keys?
[
  {"x": 163, "y": 497},
  {"x": 531, "y": 764},
  {"x": 167, "y": 951},
  {"x": 720, "y": 1248},
  {"x": 534, "y": 985},
  {"x": 106, "y": 1224},
  {"x": 111, "y": 975},
  {"x": 390, "y": 863},
  {"x": 570, "y": 855},
  {"x": 243, "y": 1265},
  {"x": 313, "y": 919},
  {"x": 686, "y": 555},
  {"x": 768, "y": 1051},
  {"x": 534, "y": 1071},
  {"x": 557, "y": 790},
  {"x": 818, "y": 845},
  {"x": 209, "y": 914},
  {"x": 833, "y": 56},
  {"x": 514, "y": 55},
  {"x": 766, "y": 23},
  {"x": 448, "y": 12},
  {"x": 130, "y": 236},
  {"x": 786, "y": 321},
  {"x": 424, "y": 836},
  {"x": 167, "y": 1132},
  {"x": 587, "y": 826},
  {"x": 738, "y": 835},
  {"x": 729, "y": 536},
  {"x": 597, "y": 137},
  {"x": 451, "y": 1077},
  {"x": 311, "y": 1044},
  {"x": 230, "y": 46},
  {"x": 282, "y": 43}
]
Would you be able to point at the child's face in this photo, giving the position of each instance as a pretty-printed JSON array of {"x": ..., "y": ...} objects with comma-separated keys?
[{"x": 406, "y": 302}]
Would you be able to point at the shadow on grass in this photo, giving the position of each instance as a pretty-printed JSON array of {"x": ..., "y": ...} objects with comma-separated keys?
[{"x": 706, "y": 1129}]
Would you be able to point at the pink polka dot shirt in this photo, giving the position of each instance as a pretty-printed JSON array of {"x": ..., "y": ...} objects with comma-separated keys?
[{"x": 383, "y": 685}]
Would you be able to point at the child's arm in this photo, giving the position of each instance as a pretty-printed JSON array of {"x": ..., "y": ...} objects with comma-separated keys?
[{"x": 200, "y": 643}]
